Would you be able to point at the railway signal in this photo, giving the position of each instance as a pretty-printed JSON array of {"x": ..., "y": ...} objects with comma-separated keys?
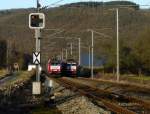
[{"x": 36, "y": 21}]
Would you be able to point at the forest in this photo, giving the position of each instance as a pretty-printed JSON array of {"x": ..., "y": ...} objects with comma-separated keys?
[{"x": 75, "y": 19}]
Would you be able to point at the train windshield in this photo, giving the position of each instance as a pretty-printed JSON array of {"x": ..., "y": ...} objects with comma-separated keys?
[
  {"x": 70, "y": 65},
  {"x": 55, "y": 63}
]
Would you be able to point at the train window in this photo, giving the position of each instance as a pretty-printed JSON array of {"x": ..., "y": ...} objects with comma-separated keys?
[{"x": 54, "y": 63}]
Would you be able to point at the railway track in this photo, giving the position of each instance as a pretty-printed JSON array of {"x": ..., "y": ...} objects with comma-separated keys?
[
  {"x": 114, "y": 102},
  {"x": 5, "y": 76}
]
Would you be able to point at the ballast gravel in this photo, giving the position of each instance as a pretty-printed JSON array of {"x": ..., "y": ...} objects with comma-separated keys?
[{"x": 69, "y": 102}]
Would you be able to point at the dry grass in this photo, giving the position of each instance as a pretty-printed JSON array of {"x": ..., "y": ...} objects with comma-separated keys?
[
  {"x": 3, "y": 72},
  {"x": 128, "y": 78},
  {"x": 18, "y": 78}
]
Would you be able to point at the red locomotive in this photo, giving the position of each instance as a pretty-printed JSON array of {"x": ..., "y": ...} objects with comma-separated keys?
[{"x": 54, "y": 67}]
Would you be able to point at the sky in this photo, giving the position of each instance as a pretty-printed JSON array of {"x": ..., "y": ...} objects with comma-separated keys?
[{"x": 11, "y": 4}]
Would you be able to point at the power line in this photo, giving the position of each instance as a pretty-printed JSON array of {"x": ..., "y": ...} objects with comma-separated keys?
[{"x": 55, "y": 3}]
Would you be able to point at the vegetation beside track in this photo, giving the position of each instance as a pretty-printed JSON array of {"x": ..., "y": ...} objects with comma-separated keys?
[
  {"x": 127, "y": 78},
  {"x": 3, "y": 73},
  {"x": 17, "y": 78},
  {"x": 99, "y": 72},
  {"x": 137, "y": 79},
  {"x": 16, "y": 93}
]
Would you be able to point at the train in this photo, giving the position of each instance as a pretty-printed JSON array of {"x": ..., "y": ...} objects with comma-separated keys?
[
  {"x": 62, "y": 68},
  {"x": 54, "y": 67}
]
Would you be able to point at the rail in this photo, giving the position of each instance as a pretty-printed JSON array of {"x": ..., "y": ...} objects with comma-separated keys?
[{"x": 110, "y": 100}]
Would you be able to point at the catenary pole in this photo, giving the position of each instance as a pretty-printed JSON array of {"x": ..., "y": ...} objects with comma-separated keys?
[
  {"x": 79, "y": 51},
  {"x": 92, "y": 52},
  {"x": 117, "y": 19},
  {"x": 71, "y": 49},
  {"x": 92, "y": 59},
  {"x": 89, "y": 57},
  {"x": 66, "y": 54},
  {"x": 62, "y": 54}
]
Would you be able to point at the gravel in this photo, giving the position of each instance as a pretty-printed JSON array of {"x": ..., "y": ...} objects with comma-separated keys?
[
  {"x": 69, "y": 102},
  {"x": 79, "y": 105}
]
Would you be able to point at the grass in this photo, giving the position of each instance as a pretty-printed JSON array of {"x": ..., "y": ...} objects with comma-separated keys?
[
  {"x": 127, "y": 76},
  {"x": 18, "y": 77},
  {"x": 144, "y": 78},
  {"x": 131, "y": 78},
  {"x": 2, "y": 72}
]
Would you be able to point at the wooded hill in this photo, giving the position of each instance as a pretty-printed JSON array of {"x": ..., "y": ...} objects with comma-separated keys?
[
  {"x": 104, "y": 4},
  {"x": 134, "y": 32}
]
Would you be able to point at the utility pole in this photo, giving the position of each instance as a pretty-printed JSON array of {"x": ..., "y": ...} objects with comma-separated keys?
[
  {"x": 66, "y": 54},
  {"x": 92, "y": 52},
  {"x": 79, "y": 51},
  {"x": 38, "y": 38},
  {"x": 118, "y": 71},
  {"x": 71, "y": 49},
  {"x": 62, "y": 54},
  {"x": 38, "y": 6},
  {"x": 89, "y": 57}
]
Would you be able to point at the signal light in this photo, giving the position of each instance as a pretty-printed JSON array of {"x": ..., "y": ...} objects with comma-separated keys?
[{"x": 36, "y": 21}]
